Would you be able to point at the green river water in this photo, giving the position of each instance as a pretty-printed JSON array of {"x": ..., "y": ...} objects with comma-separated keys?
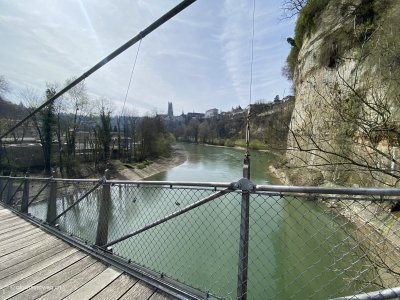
[{"x": 297, "y": 249}]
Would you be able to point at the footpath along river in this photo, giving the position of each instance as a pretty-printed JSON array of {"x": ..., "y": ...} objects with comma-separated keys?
[{"x": 297, "y": 249}]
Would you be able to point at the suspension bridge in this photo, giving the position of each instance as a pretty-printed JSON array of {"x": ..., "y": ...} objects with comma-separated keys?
[{"x": 112, "y": 239}]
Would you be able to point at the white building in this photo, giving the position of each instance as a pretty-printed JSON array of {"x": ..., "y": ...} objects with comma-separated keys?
[{"x": 211, "y": 113}]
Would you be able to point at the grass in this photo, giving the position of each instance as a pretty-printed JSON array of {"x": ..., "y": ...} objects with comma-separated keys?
[
  {"x": 254, "y": 144},
  {"x": 119, "y": 166}
]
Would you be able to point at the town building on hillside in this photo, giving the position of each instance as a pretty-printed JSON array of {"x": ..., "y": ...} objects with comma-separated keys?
[
  {"x": 237, "y": 110},
  {"x": 170, "y": 110},
  {"x": 211, "y": 113},
  {"x": 195, "y": 115}
]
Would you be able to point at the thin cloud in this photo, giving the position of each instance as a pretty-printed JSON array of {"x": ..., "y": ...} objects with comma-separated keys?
[{"x": 198, "y": 60}]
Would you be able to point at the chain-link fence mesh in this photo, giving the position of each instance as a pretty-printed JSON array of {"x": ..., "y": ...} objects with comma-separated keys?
[
  {"x": 301, "y": 246},
  {"x": 38, "y": 198},
  {"x": 315, "y": 249},
  {"x": 198, "y": 248},
  {"x": 83, "y": 199}
]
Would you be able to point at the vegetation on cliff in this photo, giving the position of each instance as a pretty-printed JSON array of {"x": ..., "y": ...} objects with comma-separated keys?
[
  {"x": 345, "y": 67},
  {"x": 363, "y": 18}
]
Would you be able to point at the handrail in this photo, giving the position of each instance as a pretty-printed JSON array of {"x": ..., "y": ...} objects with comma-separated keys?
[
  {"x": 326, "y": 190},
  {"x": 390, "y": 293},
  {"x": 259, "y": 188}
]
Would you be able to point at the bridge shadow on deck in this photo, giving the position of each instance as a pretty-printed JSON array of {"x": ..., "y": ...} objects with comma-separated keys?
[{"x": 35, "y": 264}]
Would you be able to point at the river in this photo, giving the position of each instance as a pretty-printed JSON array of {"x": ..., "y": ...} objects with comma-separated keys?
[
  {"x": 218, "y": 164},
  {"x": 297, "y": 249}
]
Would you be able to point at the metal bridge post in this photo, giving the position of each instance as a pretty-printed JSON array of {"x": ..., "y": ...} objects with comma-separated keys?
[
  {"x": 51, "y": 203},
  {"x": 102, "y": 224},
  {"x": 244, "y": 235},
  {"x": 9, "y": 190},
  {"x": 25, "y": 195},
  {"x": 2, "y": 186}
]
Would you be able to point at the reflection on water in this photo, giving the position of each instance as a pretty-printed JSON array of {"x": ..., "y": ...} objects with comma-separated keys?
[
  {"x": 296, "y": 249},
  {"x": 218, "y": 164}
]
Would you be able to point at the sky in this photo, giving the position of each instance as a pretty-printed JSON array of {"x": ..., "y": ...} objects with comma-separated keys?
[{"x": 200, "y": 59}]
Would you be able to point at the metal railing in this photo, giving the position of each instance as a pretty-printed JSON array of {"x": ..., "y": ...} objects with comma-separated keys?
[{"x": 302, "y": 242}]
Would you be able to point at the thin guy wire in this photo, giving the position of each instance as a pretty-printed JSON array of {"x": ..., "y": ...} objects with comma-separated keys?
[
  {"x": 251, "y": 83},
  {"x": 252, "y": 54},
  {"x": 130, "y": 79}
]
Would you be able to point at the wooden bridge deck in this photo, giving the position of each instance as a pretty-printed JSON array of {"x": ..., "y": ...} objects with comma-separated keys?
[{"x": 37, "y": 265}]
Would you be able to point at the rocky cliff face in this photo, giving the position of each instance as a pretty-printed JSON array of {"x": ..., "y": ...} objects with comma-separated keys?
[{"x": 345, "y": 126}]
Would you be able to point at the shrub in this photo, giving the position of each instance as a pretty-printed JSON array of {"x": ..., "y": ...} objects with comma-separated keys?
[
  {"x": 308, "y": 18},
  {"x": 257, "y": 145},
  {"x": 306, "y": 23},
  {"x": 240, "y": 143},
  {"x": 291, "y": 63},
  {"x": 229, "y": 143},
  {"x": 140, "y": 165}
]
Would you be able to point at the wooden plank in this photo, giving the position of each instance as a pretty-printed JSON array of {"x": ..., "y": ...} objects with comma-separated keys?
[
  {"x": 95, "y": 285},
  {"x": 116, "y": 288},
  {"x": 18, "y": 235},
  {"x": 140, "y": 290},
  {"x": 35, "y": 268},
  {"x": 31, "y": 249},
  {"x": 37, "y": 277},
  {"x": 75, "y": 282},
  {"x": 29, "y": 256},
  {"x": 160, "y": 295},
  {"x": 11, "y": 223},
  {"x": 54, "y": 281},
  {"x": 33, "y": 260},
  {"x": 5, "y": 211},
  {"x": 9, "y": 234},
  {"x": 19, "y": 239},
  {"x": 7, "y": 218},
  {"x": 6, "y": 230},
  {"x": 26, "y": 242}
]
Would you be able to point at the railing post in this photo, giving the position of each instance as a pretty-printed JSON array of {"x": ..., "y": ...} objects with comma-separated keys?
[
  {"x": 10, "y": 190},
  {"x": 102, "y": 224},
  {"x": 51, "y": 202},
  {"x": 244, "y": 235},
  {"x": 25, "y": 195},
  {"x": 2, "y": 186}
]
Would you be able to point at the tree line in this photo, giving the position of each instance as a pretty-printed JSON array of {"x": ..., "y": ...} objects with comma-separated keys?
[
  {"x": 269, "y": 126},
  {"x": 74, "y": 135}
]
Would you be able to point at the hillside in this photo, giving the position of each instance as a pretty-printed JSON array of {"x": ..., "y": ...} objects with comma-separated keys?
[
  {"x": 11, "y": 110},
  {"x": 345, "y": 64}
]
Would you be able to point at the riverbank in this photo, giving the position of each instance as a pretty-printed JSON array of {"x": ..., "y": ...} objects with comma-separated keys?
[
  {"x": 276, "y": 176},
  {"x": 159, "y": 165}
]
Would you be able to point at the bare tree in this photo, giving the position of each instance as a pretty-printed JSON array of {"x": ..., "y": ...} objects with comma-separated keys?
[
  {"x": 346, "y": 126},
  {"x": 292, "y": 8},
  {"x": 78, "y": 102},
  {"x": 4, "y": 85}
]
